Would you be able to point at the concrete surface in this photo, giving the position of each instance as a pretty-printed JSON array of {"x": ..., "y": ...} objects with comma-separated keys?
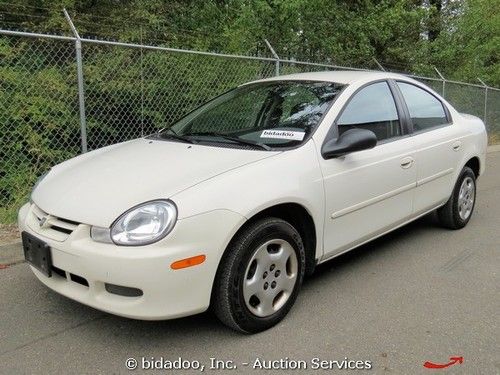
[
  {"x": 11, "y": 253},
  {"x": 419, "y": 294}
]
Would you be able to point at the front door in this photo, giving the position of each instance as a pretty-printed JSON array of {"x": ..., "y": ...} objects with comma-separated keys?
[{"x": 368, "y": 192}]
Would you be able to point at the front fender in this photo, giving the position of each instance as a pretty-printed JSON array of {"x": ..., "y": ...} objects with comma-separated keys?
[{"x": 293, "y": 176}]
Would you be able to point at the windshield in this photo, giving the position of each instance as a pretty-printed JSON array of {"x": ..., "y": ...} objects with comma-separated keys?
[{"x": 264, "y": 115}]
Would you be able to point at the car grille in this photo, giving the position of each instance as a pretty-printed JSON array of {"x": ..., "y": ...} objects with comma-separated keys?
[{"x": 50, "y": 226}]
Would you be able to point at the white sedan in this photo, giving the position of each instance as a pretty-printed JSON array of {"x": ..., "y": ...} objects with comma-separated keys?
[{"x": 232, "y": 205}]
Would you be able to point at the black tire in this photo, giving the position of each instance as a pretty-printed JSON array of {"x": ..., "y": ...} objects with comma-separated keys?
[
  {"x": 448, "y": 215},
  {"x": 228, "y": 301}
]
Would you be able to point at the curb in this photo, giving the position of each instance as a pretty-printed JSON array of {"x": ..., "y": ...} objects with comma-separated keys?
[{"x": 493, "y": 148}]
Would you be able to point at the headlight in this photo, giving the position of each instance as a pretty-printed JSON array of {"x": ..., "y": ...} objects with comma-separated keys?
[{"x": 141, "y": 225}]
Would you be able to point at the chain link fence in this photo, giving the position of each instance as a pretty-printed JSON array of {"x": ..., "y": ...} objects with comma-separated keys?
[{"x": 129, "y": 90}]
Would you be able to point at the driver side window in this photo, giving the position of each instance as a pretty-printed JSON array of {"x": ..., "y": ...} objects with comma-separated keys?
[{"x": 372, "y": 108}]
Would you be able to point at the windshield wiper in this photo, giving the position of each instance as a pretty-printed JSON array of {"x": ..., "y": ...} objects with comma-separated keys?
[
  {"x": 229, "y": 138},
  {"x": 172, "y": 134}
]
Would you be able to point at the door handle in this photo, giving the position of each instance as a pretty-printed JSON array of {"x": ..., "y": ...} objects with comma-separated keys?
[
  {"x": 407, "y": 162},
  {"x": 456, "y": 146}
]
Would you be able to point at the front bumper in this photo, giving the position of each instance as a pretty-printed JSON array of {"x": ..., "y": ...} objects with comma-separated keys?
[{"x": 167, "y": 293}]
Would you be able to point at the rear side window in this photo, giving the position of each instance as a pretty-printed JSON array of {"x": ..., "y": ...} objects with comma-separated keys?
[
  {"x": 426, "y": 111},
  {"x": 372, "y": 108}
]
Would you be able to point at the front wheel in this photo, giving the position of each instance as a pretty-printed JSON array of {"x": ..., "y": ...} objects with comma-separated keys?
[
  {"x": 260, "y": 276},
  {"x": 456, "y": 213}
]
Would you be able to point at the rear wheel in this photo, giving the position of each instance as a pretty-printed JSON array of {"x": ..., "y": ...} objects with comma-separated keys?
[
  {"x": 456, "y": 213},
  {"x": 260, "y": 276}
]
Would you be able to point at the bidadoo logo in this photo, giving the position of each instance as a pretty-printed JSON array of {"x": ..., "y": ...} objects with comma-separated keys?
[{"x": 283, "y": 134}]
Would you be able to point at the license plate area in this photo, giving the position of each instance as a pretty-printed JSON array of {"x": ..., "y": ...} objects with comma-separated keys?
[{"x": 37, "y": 253}]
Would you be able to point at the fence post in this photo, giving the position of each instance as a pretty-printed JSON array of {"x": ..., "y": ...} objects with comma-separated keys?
[
  {"x": 142, "y": 86},
  {"x": 378, "y": 64},
  {"x": 81, "y": 90},
  {"x": 275, "y": 55},
  {"x": 485, "y": 100},
  {"x": 444, "y": 81}
]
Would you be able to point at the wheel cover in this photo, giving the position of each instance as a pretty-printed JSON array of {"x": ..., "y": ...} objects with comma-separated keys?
[
  {"x": 270, "y": 277},
  {"x": 466, "y": 198}
]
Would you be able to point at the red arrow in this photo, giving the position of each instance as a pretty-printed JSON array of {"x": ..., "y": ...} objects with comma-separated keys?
[{"x": 453, "y": 360}]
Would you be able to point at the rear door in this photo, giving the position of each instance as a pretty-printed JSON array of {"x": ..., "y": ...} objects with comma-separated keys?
[
  {"x": 438, "y": 148},
  {"x": 370, "y": 191}
]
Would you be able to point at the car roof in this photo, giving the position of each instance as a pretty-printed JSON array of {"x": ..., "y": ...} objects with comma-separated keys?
[{"x": 346, "y": 77}]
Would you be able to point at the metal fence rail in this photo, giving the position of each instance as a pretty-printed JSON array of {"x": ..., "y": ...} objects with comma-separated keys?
[{"x": 60, "y": 96}]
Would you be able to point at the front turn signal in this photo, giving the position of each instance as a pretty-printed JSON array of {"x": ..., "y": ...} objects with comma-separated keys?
[{"x": 188, "y": 262}]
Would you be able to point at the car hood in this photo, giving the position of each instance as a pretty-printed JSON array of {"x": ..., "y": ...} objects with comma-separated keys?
[{"x": 97, "y": 187}]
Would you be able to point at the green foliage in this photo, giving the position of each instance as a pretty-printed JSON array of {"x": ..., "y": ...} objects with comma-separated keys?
[
  {"x": 460, "y": 37},
  {"x": 37, "y": 122},
  {"x": 471, "y": 47}
]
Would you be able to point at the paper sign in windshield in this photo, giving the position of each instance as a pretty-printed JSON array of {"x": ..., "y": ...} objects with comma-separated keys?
[{"x": 283, "y": 134}]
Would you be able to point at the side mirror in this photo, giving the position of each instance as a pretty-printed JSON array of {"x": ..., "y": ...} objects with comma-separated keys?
[{"x": 350, "y": 141}]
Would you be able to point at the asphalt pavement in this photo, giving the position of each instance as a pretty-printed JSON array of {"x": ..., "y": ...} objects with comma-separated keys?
[{"x": 421, "y": 293}]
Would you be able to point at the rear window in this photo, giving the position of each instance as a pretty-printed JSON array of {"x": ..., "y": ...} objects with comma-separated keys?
[{"x": 426, "y": 111}]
